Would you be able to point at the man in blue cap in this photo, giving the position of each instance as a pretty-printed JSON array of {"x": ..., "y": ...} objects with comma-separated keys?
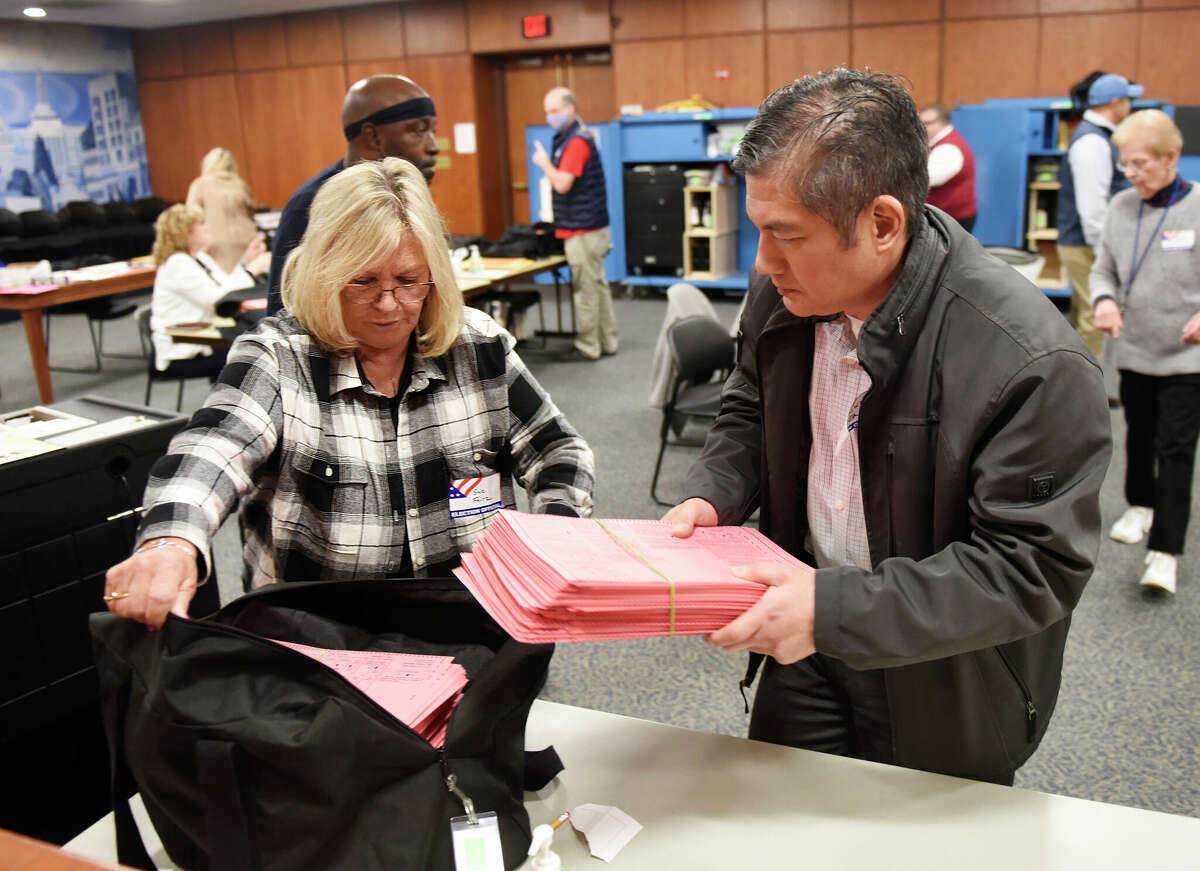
[
  {"x": 1090, "y": 176},
  {"x": 382, "y": 116}
]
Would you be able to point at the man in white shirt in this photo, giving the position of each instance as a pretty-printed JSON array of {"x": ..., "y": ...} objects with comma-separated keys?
[
  {"x": 951, "y": 167},
  {"x": 1090, "y": 176}
]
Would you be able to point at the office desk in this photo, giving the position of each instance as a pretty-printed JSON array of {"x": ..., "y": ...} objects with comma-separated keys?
[
  {"x": 716, "y": 802},
  {"x": 30, "y": 305}
]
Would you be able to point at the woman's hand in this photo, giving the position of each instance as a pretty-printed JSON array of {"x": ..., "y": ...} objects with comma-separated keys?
[
  {"x": 257, "y": 246},
  {"x": 260, "y": 265},
  {"x": 1107, "y": 317},
  {"x": 1191, "y": 330},
  {"x": 159, "y": 578}
]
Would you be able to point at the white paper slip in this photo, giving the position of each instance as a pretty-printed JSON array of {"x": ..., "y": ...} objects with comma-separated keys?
[{"x": 607, "y": 829}]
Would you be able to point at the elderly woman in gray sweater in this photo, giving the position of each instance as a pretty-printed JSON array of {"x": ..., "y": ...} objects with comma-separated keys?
[{"x": 1146, "y": 294}]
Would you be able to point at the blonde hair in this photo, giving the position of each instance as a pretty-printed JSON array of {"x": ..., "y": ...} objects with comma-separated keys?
[
  {"x": 1155, "y": 127},
  {"x": 171, "y": 230},
  {"x": 356, "y": 222},
  {"x": 219, "y": 161}
]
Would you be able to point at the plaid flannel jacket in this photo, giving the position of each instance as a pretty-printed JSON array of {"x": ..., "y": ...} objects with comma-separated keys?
[{"x": 330, "y": 488}]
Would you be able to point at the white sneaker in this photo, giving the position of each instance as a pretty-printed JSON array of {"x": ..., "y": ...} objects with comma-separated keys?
[
  {"x": 1133, "y": 525},
  {"x": 1160, "y": 571}
]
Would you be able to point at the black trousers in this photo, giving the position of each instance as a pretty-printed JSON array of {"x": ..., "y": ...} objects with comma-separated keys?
[
  {"x": 822, "y": 704},
  {"x": 1162, "y": 420},
  {"x": 194, "y": 367}
]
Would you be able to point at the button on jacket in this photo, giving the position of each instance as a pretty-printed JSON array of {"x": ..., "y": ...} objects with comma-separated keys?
[
  {"x": 983, "y": 442},
  {"x": 330, "y": 488}
]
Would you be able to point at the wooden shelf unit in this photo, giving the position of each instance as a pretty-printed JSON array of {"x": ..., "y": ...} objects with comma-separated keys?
[{"x": 710, "y": 238}]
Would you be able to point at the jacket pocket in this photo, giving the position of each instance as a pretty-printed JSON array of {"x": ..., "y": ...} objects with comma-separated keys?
[
  {"x": 327, "y": 488},
  {"x": 475, "y": 493}
]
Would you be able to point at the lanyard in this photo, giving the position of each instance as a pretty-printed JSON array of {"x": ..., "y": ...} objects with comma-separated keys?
[{"x": 1135, "y": 263}]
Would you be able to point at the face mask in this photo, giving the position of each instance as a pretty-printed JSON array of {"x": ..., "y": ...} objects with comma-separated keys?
[{"x": 558, "y": 120}]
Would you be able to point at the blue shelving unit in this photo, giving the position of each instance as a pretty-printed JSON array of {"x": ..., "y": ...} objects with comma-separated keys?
[
  {"x": 656, "y": 137},
  {"x": 1010, "y": 137}
]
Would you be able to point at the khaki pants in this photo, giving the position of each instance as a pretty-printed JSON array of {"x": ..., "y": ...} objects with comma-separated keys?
[
  {"x": 1078, "y": 260},
  {"x": 595, "y": 323}
]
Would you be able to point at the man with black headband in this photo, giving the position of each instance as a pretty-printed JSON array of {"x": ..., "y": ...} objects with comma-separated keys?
[{"x": 382, "y": 116}]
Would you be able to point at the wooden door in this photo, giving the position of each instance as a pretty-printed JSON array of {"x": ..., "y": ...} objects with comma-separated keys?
[{"x": 527, "y": 78}]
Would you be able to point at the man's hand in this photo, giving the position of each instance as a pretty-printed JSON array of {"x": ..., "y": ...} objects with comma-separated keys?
[
  {"x": 154, "y": 582},
  {"x": 687, "y": 515},
  {"x": 540, "y": 158},
  {"x": 1191, "y": 330},
  {"x": 781, "y": 623},
  {"x": 1107, "y": 317}
]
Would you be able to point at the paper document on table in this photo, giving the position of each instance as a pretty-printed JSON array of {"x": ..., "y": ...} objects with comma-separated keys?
[
  {"x": 549, "y": 578},
  {"x": 607, "y": 829},
  {"x": 14, "y": 446},
  {"x": 417, "y": 689}
]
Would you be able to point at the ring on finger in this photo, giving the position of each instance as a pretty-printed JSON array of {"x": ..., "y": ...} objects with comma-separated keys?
[{"x": 112, "y": 597}]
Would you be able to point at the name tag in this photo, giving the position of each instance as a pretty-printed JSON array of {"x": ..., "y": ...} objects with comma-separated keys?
[
  {"x": 1178, "y": 240},
  {"x": 471, "y": 496}
]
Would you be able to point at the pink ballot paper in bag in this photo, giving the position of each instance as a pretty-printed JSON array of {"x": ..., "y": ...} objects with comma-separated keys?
[{"x": 549, "y": 578}]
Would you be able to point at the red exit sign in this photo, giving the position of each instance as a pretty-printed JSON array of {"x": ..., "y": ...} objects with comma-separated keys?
[{"x": 533, "y": 26}]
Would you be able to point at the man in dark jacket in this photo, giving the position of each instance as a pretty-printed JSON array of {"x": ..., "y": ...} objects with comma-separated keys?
[{"x": 915, "y": 419}]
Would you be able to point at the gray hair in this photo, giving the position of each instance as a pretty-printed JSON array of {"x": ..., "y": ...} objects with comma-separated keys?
[
  {"x": 841, "y": 139},
  {"x": 357, "y": 220},
  {"x": 1155, "y": 126}
]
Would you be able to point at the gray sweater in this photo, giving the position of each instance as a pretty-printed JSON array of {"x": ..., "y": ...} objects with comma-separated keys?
[{"x": 1165, "y": 291}]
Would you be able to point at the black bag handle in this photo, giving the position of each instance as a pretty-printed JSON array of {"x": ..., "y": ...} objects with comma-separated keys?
[
  {"x": 114, "y": 701},
  {"x": 227, "y": 808}
]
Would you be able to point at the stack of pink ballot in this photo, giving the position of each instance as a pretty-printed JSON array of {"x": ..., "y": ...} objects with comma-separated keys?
[
  {"x": 549, "y": 578},
  {"x": 418, "y": 689}
]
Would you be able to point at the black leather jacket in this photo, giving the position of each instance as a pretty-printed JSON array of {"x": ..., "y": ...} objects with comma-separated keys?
[{"x": 983, "y": 442}]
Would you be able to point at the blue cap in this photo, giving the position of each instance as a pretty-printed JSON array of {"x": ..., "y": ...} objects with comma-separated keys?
[{"x": 1111, "y": 87}]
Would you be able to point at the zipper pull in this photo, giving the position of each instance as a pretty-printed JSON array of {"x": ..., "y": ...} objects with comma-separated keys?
[
  {"x": 1030, "y": 721},
  {"x": 468, "y": 805},
  {"x": 900, "y": 323}
]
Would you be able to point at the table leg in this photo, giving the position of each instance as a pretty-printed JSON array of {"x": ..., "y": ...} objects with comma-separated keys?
[{"x": 32, "y": 319}]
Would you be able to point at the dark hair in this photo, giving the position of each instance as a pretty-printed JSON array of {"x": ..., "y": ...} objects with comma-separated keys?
[
  {"x": 1079, "y": 95},
  {"x": 841, "y": 139}
]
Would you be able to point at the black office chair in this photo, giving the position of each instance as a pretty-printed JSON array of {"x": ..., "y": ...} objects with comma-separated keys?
[
  {"x": 142, "y": 316},
  {"x": 701, "y": 347}
]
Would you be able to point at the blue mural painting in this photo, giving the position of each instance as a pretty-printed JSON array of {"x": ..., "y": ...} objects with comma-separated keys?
[{"x": 70, "y": 136}]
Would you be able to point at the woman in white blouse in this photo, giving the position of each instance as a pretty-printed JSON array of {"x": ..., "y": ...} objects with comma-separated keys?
[{"x": 188, "y": 285}]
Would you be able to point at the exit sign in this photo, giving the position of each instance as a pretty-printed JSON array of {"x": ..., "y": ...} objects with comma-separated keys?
[{"x": 534, "y": 26}]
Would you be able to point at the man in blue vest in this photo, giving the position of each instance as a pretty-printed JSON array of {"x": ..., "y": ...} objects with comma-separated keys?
[
  {"x": 581, "y": 221},
  {"x": 1090, "y": 176}
]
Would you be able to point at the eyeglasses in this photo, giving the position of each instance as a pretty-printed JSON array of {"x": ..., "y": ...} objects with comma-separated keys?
[
  {"x": 371, "y": 292},
  {"x": 1137, "y": 165}
]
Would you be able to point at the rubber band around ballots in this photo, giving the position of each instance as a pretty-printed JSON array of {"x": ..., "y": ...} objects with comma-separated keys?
[{"x": 653, "y": 568}]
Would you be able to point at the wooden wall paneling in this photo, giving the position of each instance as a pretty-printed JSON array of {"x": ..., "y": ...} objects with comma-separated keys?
[
  {"x": 1054, "y": 7},
  {"x": 495, "y": 25},
  {"x": 804, "y": 52},
  {"x": 435, "y": 27},
  {"x": 649, "y": 73},
  {"x": 260, "y": 43},
  {"x": 797, "y": 14},
  {"x": 910, "y": 50},
  {"x": 314, "y": 38},
  {"x": 490, "y": 188},
  {"x": 989, "y": 8},
  {"x": 742, "y": 57},
  {"x": 990, "y": 58},
  {"x": 370, "y": 32},
  {"x": 206, "y": 48},
  {"x": 292, "y": 126},
  {"x": 450, "y": 79},
  {"x": 525, "y": 87},
  {"x": 212, "y": 104},
  {"x": 168, "y": 137},
  {"x": 1074, "y": 45},
  {"x": 1169, "y": 4},
  {"x": 590, "y": 76},
  {"x": 157, "y": 53},
  {"x": 646, "y": 19},
  {"x": 889, "y": 11},
  {"x": 1168, "y": 64},
  {"x": 719, "y": 17}
]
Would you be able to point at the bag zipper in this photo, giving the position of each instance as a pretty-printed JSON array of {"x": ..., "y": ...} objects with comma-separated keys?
[{"x": 1030, "y": 707}]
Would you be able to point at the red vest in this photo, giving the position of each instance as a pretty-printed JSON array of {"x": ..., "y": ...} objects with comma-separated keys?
[{"x": 956, "y": 197}]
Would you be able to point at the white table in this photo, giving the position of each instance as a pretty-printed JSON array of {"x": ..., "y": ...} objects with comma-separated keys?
[{"x": 712, "y": 801}]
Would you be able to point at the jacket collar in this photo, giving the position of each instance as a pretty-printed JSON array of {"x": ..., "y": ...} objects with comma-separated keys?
[{"x": 344, "y": 375}]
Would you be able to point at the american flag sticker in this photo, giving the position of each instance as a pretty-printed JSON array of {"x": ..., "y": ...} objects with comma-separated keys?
[{"x": 471, "y": 496}]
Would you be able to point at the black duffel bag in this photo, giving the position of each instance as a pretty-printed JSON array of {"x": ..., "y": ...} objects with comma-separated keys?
[{"x": 249, "y": 755}]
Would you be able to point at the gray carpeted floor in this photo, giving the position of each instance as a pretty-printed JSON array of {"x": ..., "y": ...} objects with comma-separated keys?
[{"x": 1127, "y": 728}]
